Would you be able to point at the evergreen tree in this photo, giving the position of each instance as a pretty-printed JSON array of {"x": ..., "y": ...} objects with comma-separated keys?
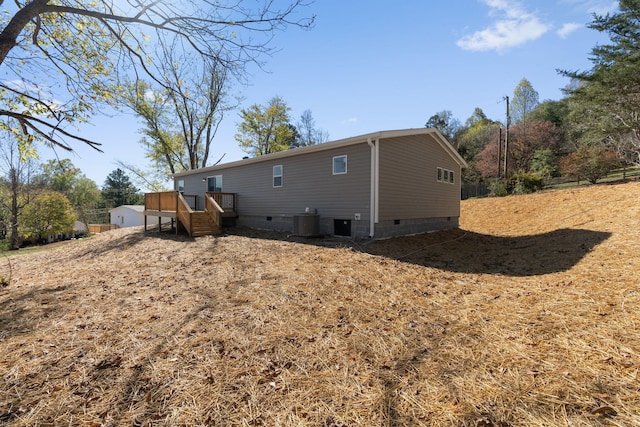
[
  {"x": 118, "y": 190},
  {"x": 604, "y": 101}
]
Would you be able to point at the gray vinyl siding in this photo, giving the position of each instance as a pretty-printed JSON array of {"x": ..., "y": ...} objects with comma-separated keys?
[
  {"x": 408, "y": 184},
  {"x": 307, "y": 182},
  {"x": 409, "y": 197}
]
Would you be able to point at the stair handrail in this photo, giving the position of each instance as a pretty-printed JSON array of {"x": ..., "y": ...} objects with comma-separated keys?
[
  {"x": 213, "y": 210},
  {"x": 184, "y": 213}
]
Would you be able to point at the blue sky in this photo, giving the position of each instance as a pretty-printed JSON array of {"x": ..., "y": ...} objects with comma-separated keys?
[{"x": 379, "y": 65}]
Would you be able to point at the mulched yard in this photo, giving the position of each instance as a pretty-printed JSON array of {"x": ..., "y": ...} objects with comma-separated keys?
[{"x": 528, "y": 315}]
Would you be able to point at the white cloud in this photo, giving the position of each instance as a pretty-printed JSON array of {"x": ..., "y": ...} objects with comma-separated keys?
[
  {"x": 514, "y": 26},
  {"x": 600, "y": 7},
  {"x": 350, "y": 120},
  {"x": 569, "y": 28}
]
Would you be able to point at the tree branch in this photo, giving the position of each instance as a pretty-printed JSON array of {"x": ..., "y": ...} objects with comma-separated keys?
[{"x": 28, "y": 122}]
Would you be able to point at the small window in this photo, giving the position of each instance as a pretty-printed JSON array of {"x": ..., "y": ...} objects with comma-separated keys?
[
  {"x": 277, "y": 176},
  {"x": 445, "y": 175},
  {"x": 339, "y": 165},
  {"x": 214, "y": 184},
  {"x": 181, "y": 185}
]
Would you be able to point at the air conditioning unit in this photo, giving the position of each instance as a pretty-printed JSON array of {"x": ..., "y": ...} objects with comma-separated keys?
[{"x": 306, "y": 224}]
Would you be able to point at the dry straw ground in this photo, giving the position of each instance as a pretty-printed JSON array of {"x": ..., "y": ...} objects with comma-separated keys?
[{"x": 528, "y": 315}]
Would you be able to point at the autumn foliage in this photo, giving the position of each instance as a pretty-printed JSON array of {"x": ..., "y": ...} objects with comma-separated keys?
[
  {"x": 525, "y": 140},
  {"x": 590, "y": 163}
]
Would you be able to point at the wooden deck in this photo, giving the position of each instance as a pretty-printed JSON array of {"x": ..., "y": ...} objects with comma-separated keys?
[{"x": 174, "y": 204}]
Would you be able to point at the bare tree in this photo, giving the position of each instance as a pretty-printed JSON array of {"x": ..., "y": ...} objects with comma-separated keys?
[
  {"x": 182, "y": 116},
  {"x": 307, "y": 131},
  {"x": 92, "y": 45}
]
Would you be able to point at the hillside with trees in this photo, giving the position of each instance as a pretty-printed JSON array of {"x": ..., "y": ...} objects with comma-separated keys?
[
  {"x": 584, "y": 136},
  {"x": 43, "y": 202}
]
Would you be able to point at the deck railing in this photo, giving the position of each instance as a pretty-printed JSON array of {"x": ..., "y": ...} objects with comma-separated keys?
[
  {"x": 227, "y": 201},
  {"x": 162, "y": 201},
  {"x": 174, "y": 204}
]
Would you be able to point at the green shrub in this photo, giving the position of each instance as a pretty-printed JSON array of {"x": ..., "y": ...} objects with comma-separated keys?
[
  {"x": 524, "y": 183},
  {"x": 498, "y": 188},
  {"x": 519, "y": 183}
]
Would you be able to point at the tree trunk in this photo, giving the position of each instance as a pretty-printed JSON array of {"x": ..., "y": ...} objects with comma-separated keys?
[{"x": 14, "y": 236}]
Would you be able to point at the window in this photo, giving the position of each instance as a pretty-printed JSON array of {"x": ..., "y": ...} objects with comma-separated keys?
[
  {"x": 214, "y": 183},
  {"x": 181, "y": 185},
  {"x": 445, "y": 175},
  {"x": 339, "y": 165},
  {"x": 277, "y": 176}
]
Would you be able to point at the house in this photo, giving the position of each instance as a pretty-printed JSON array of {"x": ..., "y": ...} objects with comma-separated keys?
[{"x": 377, "y": 185}]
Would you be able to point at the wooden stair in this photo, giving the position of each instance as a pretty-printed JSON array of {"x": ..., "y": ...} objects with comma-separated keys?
[
  {"x": 201, "y": 225},
  {"x": 197, "y": 223}
]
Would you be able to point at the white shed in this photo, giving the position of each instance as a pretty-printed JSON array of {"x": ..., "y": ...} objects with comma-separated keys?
[{"x": 127, "y": 215}]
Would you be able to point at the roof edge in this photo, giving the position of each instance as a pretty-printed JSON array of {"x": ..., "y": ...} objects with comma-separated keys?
[{"x": 331, "y": 145}]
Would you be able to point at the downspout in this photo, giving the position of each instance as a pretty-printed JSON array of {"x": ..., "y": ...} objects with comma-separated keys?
[{"x": 373, "y": 196}]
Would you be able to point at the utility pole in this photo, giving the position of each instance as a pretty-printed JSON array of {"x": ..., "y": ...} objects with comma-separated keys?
[
  {"x": 506, "y": 139},
  {"x": 499, "y": 152}
]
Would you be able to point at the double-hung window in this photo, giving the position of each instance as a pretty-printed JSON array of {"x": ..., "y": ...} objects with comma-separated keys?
[{"x": 277, "y": 176}]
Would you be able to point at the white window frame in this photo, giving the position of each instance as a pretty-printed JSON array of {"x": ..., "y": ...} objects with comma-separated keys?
[
  {"x": 445, "y": 175},
  {"x": 280, "y": 175},
  {"x": 335, "y": 158},
  {"x": 181, "y": 185}
]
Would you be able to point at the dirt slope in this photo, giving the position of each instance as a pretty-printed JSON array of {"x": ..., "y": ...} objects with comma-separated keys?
[{"x": 526, "y": 316}]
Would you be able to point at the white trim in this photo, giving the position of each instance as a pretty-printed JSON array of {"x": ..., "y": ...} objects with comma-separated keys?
[
  {"x": 346, "y": 166},
  {"x": 377, "y": 181},
  {"x": 274, "y": 176},
  {"x": 446, "y": 176}
]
